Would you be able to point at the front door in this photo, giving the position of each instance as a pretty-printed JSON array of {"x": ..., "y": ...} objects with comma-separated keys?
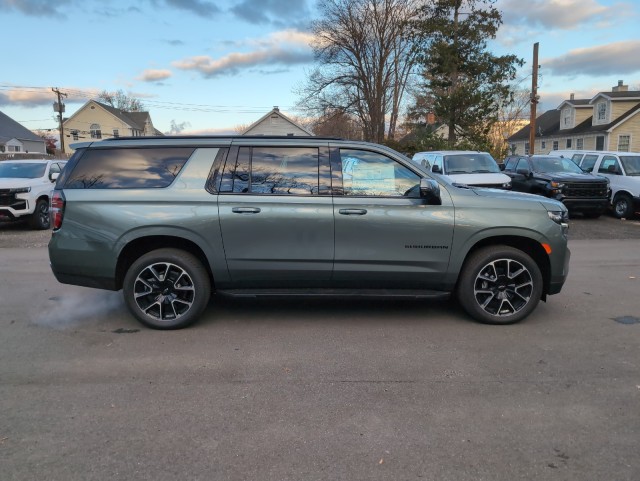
[{"x": 386, "y": 235}]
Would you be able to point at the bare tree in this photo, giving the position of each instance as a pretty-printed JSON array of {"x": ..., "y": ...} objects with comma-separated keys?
[
  {"x": 121, "y": 101},
  {"x": 337, "y": 123},
  {"x": 364, "y": 59},
  {"x": 513, "y": 114}
]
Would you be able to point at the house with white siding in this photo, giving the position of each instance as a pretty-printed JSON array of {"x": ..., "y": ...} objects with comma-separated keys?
[
  {"x": 608, "y": 121},
  {"x": 17, "y": 139},
  {"x": 276, "y": 123}
]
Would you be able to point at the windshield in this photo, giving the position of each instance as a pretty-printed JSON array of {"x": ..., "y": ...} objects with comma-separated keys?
[
  {"x": 631, "y": 164},
  {"x": 15, "y": 170},
  {"x": 555, "y": 164},
  {"x": 470, "y": 164}
]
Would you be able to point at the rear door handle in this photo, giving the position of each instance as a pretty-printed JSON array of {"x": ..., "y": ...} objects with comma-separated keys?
[
  {"x": 353, "y": 211},
  {"x": 245, "y": 210}
]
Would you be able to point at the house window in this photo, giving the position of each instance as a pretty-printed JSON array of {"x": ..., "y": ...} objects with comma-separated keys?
[
  {"x": 526, "y": 148},
  {"x": 579, "y": 144},
  {"x": 602, "y": 112},
  {"x": 555, "y": 145},
  {"x": 74, "y": 134},
  {"x": 566, "y": 118},
  {"x": 543, "y": 144},
  {"x": 623, "y": 143},
  {"x": 600, "y": 142},
  {"x": 116, "y": 133},
  {"x": 568, "y": 144},
  {"x": 96, "y": 133},
  {"x": 14, "y": 148}
]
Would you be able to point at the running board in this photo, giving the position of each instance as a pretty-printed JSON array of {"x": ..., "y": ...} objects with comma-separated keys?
[{"x": 352, "y": 293}]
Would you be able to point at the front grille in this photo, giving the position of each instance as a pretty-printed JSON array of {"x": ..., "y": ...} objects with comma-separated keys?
[
  {"x": 586, "y": 189},
  {"x": 8, "y": 199}
]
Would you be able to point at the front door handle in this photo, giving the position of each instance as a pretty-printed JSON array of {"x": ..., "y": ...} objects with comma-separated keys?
[
  {"x": 245, "y": 210},
  {"x": 353, "y": 211}
]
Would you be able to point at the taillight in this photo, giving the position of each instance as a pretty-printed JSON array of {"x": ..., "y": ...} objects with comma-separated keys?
[{"x": 57, "y": 209}]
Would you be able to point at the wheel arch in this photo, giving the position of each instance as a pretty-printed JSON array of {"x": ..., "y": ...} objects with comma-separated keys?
[
  {"x": 529, "y": 246},
  {"x": 141, "y": 245}
]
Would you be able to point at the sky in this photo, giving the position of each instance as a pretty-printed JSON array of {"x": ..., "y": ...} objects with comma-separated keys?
[{"x": 209, "y": 66}]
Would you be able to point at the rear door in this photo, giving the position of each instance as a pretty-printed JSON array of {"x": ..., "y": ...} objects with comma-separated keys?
[
  {"x": 276, "y": 216},
  {"x": 386, "y": 235}
]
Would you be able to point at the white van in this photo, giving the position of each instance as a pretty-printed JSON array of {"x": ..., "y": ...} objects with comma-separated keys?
[
  {"x": 468, "y": 167},
  {"x": 621, "y": 168}
]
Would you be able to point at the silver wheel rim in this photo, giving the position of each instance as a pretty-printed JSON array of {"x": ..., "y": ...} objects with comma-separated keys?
[
  {"x": 621, "y": 206},
  {"x": 503, "y": 287},
  {"x": 164, "y": 291}
]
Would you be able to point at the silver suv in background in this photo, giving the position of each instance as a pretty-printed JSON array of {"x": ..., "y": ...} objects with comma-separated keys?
[
  {"x": 474, "y": 168},
  {"x": 172, "y": 220},
  {"x": 25, "y": 187}
]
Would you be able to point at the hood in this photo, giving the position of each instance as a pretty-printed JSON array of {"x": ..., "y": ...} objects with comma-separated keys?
[
  {"x": 510, "y": 196},
  {"x": 479, "y": 179},
  {"x": 572, "y": 176}
]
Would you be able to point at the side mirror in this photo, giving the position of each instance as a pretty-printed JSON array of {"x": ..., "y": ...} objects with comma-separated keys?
[
  {"x": 524, "y": 172},
  {"x": 430, "y": 190},
  {"x": 54, "y": 176},
  {"x": 501, "y": 166},
  {"x": 436, "y": 169}
]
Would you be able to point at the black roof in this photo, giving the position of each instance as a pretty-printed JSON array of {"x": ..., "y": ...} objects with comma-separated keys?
[{"x": 235, "y": 136}]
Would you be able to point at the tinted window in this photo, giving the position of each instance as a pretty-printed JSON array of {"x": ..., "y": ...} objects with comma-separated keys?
[
  {"x": 510, "y": 163},
  {"x": 128, "y": 168},
  {"x": 588, "y": 162},
  {"x": 522, "y": 164},
  {"x": 631, "y": 164},
  {"x": 372, "y": 174},
  {"x": 608, "y": 165},
  {"x": 555, "y": 164},
  {"x": 273, "y": 170}
]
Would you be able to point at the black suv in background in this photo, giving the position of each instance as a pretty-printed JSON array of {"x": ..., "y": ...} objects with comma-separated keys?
[{"x": 560, "y": 179}]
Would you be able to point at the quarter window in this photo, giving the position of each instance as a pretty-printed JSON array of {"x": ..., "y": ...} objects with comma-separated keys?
[
  {"x": 144, "y": 168},
  {"x": 367, "y": 173}
]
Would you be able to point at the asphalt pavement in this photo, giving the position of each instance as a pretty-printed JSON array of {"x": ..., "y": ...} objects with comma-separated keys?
[{"x": 322, "y": 390}]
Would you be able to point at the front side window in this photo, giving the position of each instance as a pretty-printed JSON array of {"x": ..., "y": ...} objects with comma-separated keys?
[
  {"x": 523, "y": 165},
  {"x": 273, "y": 170},
  {"x": 609, "y": 165},
  {"x": 124, "y": 168},
  {"x": 366, "y": 173}
]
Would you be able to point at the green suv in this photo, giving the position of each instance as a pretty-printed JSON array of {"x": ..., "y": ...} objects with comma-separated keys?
[{"x": 172, "y": 220}]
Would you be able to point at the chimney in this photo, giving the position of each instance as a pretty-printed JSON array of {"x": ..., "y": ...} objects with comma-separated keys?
[
  {"x": 620, "y": 87},
  {"x": 572, "y": 97},
  {"x": 275, "y": 107}
]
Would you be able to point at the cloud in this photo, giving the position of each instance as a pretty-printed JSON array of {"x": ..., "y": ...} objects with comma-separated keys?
[
  {"x": 151, "y": 75},
  {"x": 174, "y": 43},
  {"x": 613, "y": 59},
  {"x": 202, "y": 8},
  {"x": 277, "y": 12},
  {"x": 36, "y": 8},
  {"x": 287, "y": 47},
  {"x": 560, "y": 14}
]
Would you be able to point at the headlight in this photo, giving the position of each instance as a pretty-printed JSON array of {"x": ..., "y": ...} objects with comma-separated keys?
[
  {"x": 557, "y": 185},
  {"x": 20, "y": 190},
  {"x": 506, "y": 185},
  {"x": 559, "y": 216}
]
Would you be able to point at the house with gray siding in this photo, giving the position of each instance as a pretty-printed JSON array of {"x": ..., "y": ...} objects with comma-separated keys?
[{"x": 15, "y": 138}]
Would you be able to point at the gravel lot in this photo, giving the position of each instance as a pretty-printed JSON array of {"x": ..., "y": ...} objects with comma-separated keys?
[{"x": 18, "y": 234}]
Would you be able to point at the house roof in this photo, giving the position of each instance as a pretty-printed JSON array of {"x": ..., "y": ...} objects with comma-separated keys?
[
  {"x": 275, "y": 111},
  {"x": 548, "y": 124},
  {"x": 10, "y": 129},
  {"x": 135, "y": 120}
]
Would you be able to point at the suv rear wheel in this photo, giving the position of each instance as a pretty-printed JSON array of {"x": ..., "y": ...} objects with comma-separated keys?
[
  {"x": 499, "y": 285},
  {"x": 39, "y": 220},
  {"x": 167, "y": 289}
]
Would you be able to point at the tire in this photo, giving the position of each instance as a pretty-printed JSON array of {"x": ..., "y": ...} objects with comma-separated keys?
[
  {"x": 167, "y": 289},
  {"x": 40, "y": 219},
  {"x": 623, "y": 206},
  {"x": 499, "y": 285}
]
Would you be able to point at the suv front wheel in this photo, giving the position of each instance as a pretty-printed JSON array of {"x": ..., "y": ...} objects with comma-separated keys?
[
  {"x": 167, "y": 289},
  {"x": 499, "y": 285}
]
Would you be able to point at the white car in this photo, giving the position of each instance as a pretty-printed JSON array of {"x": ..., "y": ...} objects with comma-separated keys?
[
  {"x": 25, "y": 186},
  {"x": 468, "y": 167}
]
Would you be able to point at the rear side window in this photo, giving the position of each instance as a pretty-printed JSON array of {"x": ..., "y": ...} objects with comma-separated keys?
[
  {"x": 143, "y": 168},
  {"x": 273, "y": 170}
]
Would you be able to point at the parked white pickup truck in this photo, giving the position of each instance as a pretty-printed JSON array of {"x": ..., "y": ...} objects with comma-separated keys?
[
  {"x": 621, "y": 168},
  {"x": 25, "y": 187}
]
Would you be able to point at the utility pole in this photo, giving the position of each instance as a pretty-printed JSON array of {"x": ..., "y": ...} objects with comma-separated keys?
[
  {"x": 534, "y": 101},
  {"x": 59, "y": 107}
]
